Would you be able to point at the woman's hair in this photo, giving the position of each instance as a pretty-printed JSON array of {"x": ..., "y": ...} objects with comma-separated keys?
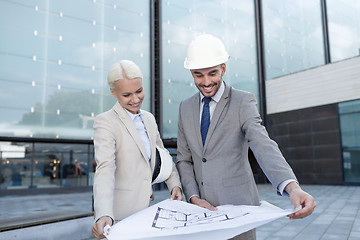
[{"x": 125, "y": 69}]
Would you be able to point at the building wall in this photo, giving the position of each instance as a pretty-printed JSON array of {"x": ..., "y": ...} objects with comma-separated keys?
[
  {"x": 303, "y": 118},
  {"x": 310, "y": 141},
  {"x": 328, "y": 84}
]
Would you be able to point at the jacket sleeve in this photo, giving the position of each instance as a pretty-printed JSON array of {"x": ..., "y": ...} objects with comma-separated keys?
[
  {"x": 104, "y": 179},
  {"x": 184, "y": 163},
  {"x": 266, "y": 150}
]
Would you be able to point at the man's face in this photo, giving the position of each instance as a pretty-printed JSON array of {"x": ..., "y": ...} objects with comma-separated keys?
[
  {"x": 208, "y": 80},
  {"x": 130, "y": 94}
]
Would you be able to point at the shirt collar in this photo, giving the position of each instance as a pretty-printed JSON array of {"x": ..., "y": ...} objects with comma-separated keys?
[
  {"x": 218, "y": 94},
  {"x": 133, "y": 116}
]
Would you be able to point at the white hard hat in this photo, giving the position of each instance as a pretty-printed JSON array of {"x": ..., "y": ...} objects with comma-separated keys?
[
  {"x": 205, "y": 51},
  {"x": 163, "y": 165}
]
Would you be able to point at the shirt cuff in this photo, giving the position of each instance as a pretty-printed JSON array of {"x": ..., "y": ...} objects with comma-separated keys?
[
  {"x": 282, "y": 186},
  {"x": 192, "y": 196}
]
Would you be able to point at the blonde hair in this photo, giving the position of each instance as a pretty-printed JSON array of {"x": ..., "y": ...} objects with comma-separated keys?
[{"x": 125, "y": 69}]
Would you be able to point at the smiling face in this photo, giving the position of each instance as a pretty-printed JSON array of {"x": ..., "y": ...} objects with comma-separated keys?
[
  {"x": 130, "y": 93},
  {"x": 208, "y": 80}
]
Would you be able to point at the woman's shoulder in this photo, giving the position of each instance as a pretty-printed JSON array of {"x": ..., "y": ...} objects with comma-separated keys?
[
  {"x": 147, "y": 114},
  {"x": 106, "y": 114}
]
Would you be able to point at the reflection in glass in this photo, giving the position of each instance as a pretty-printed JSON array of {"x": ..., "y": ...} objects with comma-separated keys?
[
  {"x": 349, "y": 113},
  {"x": 232, "y": 21},
  {"x": 344, "y": 28},
  {"x": 55, "y": 58},
  {"x": 293, "y": 36},
  {"x": 45, "y": 165}
]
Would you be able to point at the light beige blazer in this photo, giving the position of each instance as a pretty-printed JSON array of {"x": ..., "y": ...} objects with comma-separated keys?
[{"x": 123, "y": 175}]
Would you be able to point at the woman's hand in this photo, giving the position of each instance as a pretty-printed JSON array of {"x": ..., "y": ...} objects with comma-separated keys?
[
  {"x": 176, "y": 194},
  {"x": 98, "y": 228}
]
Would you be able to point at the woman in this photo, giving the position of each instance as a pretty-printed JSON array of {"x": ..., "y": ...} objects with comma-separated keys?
[{"x": 125, "y": 138}]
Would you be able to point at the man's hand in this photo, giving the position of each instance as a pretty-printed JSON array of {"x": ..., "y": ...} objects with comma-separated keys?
[
  {"x": 176, "y": 194},
  {"x": 202, "y": 203},
  {"x": 98, "y": 228},
  {"x": 300, "y": 198}
]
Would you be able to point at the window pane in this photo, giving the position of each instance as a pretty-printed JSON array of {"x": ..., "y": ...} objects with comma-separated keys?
[
  {"x": 15, "y": 165},
  {"x": 293, "y": 36},
  {"x": 55, "y": 59},
  {"x": 46, "y": 165},
  {"x": 350, "y": 138},
  {"x": 232, "y": 21},
  {"x": 344, "y": 28}
]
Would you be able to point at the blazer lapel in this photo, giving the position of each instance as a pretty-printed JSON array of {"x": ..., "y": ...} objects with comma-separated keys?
[
  {"x": 151, "y": 132},
  {"x": 217, "y": 113},
  {"x": 125, "y": 118}
]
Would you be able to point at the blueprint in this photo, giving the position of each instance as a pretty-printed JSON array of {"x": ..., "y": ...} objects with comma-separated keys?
[{"x": 171, "y": 219}]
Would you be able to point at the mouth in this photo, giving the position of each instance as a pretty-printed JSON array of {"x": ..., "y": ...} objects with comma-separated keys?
[
  {"x": 208, "y": 89},
  {"x": 135, "y": 105}
]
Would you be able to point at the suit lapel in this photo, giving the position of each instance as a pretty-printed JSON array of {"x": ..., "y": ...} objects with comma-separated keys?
[
  {"x": 217, "y": 113},
  {"x": 125, "y": 118},
  {"x": 196, "y": 118}
]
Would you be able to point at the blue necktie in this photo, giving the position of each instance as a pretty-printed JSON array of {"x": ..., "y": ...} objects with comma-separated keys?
[{"x": 205, "y": 119}]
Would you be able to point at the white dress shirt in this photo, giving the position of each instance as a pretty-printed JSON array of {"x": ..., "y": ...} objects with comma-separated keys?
[{"x": 140, "y": 127}]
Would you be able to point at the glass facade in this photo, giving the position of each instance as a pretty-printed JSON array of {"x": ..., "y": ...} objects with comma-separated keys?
[
  {"x": 344, "y": 28},
  {"x": 55, "y": 55},
  {"x": 231, "y": 21},
  {"x": 54, "y": 60},
  {"x": 349, "y": 113},
  {"x": 45, "y": 165},
  {"x": 293, "y": 36}
]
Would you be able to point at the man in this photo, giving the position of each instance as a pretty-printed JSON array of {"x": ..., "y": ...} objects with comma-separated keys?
[{"x": 216, "y": 128}]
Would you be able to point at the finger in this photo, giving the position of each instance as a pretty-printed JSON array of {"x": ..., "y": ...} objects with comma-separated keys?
[
  {"x": 301, "y": 213},
  {"x": 174, "y": 195},
  {"x": 208, "y": 206},
  {"x": 180, "y": 198},
  {"x": 97, "y": 231},
  {"x": 96, "y": 234}
]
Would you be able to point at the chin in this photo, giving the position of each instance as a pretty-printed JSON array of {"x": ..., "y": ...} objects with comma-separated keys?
[{"x": 208, "y": 94}]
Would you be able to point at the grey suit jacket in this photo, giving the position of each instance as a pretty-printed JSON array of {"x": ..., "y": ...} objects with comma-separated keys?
[{"x": 220, "y": 172}]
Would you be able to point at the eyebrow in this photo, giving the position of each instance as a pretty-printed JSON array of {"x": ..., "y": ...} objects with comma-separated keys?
[
  {"x": 127, "y": 93},
  {"x": 211, "y": 72},
  {"x": 214, "y": 71}
]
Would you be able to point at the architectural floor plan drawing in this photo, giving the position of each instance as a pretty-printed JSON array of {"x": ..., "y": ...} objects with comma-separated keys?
[
  {"x": 178, "y": 220},
  {"x": 170, "y": 219}
]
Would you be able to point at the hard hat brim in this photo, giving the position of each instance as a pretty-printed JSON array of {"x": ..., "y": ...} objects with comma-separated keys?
[
  {"x": 188, "y": 64},
  {"x": 163, "y": 165}
]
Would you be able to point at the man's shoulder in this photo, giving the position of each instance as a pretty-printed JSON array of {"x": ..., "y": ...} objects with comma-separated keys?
[
  {"x": 190, "y": 100},
  {"x": 240, "y": 95},
  {"x": 238, "y": 92}
]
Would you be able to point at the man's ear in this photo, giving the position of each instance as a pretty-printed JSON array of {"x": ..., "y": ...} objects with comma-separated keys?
[
  {"x": 223, "y": 69},
  {"x": 192, "y": 74}
]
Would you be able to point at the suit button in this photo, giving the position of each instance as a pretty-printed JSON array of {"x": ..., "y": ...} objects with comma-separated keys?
[
  {"x": 204, "y": 160},
  {"x": 202, "y": 183}
]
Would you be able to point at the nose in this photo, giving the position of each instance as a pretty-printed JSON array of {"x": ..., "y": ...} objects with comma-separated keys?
[
  {"x": 206, "y": 80},
  {"x": 135, "y": 98}
]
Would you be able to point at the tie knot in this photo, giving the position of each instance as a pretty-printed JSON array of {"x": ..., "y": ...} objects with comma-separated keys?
[{"x": 207, "y": 100}]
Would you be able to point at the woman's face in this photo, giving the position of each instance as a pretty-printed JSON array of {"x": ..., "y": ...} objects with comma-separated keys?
[{"x": 130, "y": 93}]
